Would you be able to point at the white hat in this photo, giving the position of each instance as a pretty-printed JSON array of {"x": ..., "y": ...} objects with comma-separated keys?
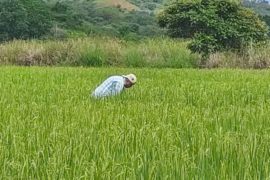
[{"x": 131, "y": 77}]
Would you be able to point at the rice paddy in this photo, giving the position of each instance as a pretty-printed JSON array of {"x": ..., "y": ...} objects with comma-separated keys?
[{"x": 173, "y": 124}]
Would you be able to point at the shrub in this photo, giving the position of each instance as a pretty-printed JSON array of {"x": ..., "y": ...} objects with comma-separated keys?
[{"x": 216, "y": 25}]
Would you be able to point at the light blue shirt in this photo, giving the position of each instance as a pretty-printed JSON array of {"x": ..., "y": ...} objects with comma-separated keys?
[{"x": 110, "y": 87}]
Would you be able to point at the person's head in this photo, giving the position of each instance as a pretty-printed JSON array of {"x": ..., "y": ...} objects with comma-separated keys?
[{"x": 130, "y": 80}]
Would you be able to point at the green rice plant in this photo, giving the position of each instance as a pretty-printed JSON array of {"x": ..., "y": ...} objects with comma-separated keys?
[{"x": 173, "y": 124}]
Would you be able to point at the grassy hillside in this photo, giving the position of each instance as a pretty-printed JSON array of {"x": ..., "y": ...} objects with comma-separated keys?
[
  {"x": 131, "y": 19},
  {"x": 120, "y": 18},
  {"x": 122, "y": 4}
]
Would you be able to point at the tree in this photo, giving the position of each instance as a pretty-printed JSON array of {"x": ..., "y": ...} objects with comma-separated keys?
[
  {"x": 213, "y": 25},
  {"x": 22, "y": 19},
  {"x": 12, "y": 20},
  {"x": 38, "y": 18}
]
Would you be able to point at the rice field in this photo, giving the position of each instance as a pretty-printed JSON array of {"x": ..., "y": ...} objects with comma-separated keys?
[{"x": 173, "y": 124}]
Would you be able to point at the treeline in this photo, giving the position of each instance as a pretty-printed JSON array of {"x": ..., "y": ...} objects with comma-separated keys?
[{"x": 23, "y": 19}]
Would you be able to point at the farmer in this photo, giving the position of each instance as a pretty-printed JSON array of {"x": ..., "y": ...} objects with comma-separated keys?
[{"x": 114, "y": 85}]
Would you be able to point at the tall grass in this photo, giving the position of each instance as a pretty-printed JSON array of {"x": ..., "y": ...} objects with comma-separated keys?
[
  {"x": 174, "y": 124},
  {"x": 255, "y": 57},
  {"x": 98, "y": 51},
  {"x": 104, "y": 51}
]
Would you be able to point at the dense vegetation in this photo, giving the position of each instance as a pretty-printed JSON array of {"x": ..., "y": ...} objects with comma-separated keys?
[
  {"x": 77, "y": 18},
  {"x": 98, "y": 52},
  {"x": 131, "y": 19},
  {"x": 213, "y": 25},
  {"x": 124, "y": 20},
  {"x": 22, "y": 19},
  {"x": 174, "y": 124}
]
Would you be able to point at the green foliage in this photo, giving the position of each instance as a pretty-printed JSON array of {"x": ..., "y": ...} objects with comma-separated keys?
[
  {"x": 94, "y": 57},
  {"x": 98, "y": 51},
  {"x": 22, "y": 19},
  {"x": 13, "y": 20},
  {"x": 134, "y": 58},
  {"x": 266, "y": 19},
  {"x": 214, "y": 25},
  {"x": 87, "y": 17},
  {"x": 38, "y": 17},
  {"x": 204, "y": 45}
]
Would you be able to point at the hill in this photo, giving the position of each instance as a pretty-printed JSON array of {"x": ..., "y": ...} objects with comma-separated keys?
[
  {"x": 131, "y": 19},
  {"x": 123, "y": 4}
]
